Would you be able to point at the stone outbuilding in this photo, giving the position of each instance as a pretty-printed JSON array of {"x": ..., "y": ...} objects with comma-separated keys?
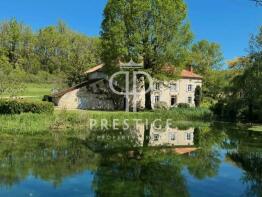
[{"x": 95, "y": 93}]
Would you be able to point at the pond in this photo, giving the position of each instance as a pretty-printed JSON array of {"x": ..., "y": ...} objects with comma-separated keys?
[{"x": 205, "y": 160}]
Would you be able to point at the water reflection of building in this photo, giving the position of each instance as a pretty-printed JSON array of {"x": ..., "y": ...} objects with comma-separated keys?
[
  {"x": 171, "y": 137},
  {"x": 164, "y": 136}
]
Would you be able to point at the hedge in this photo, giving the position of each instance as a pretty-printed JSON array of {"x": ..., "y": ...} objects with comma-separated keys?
[{"x": 22, "y": 106}]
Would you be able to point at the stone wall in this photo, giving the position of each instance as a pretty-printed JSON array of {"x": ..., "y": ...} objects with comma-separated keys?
[
  {"x": 94, "y": 97},
  {"x": 165, "y": 92},
  {"x": 98, "y": 96}
]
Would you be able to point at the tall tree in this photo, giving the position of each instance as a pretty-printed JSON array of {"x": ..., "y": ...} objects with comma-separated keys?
[
  {"x": 51, "y": 49},
  {"x": 83, "y": 53},
  {"x": 206, "y": 56},
  {"x": 145, "y": 29},
  {"x": 244, "y": 98},
  {"x": 206, "y": 59},
  {"x": 12, "y": 40}
]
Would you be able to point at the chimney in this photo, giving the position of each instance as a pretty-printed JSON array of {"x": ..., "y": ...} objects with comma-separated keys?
[{"x": 190, "y": 68}]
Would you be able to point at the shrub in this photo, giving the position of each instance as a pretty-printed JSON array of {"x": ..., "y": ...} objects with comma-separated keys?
[
  {"x": 183, "y": 105},
  {"x": 208, "y": 102},
  {"x": 229, "y": 110},
  {"x": 47, "y": 98},
  {"x": 161, "y": 105},
  {"x": 198, "y": 96},
  {"x": 218, "y": 108},
  {"x": 22, "y": 106}
]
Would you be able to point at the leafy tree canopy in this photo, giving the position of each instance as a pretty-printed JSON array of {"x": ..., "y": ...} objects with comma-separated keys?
[
  {"x": 53, "y": 50},
  {"x": 155, "y": 31}
]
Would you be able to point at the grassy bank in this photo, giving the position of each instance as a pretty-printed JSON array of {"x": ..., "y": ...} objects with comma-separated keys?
[
  {"x": 63, "y": 120},
  {"x": 34, "y": 91},
  {"x": 190, "y": 114}
]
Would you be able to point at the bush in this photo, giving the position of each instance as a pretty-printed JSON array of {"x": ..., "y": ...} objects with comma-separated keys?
[
  {"x": 22, "y": 106},
  {"x": 208, "y": 102},
  {"x": 218, "y": 108},
  {"x": 161, "y": 105},
  {"x": 229, "y": 110},
  {"x": 183, "y": 105},
  {"x": 47, "y": 98}
]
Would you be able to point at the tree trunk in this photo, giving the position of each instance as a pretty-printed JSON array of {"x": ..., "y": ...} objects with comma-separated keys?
[
  {"x": 148, "y": 104},
  {"x": 250, "y": 111},
  {"x": 146, "y": 136}
]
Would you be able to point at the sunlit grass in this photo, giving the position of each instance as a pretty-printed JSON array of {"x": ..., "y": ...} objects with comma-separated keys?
[
  {"x": 75, "y": 120},
  {"x": 34, "y": 91}
]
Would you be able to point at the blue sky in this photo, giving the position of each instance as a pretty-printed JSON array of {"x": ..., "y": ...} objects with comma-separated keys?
[{"x": 228, "y": 22}]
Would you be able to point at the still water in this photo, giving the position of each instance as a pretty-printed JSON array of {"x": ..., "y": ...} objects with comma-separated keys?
[{"x": 211, "y": 160}]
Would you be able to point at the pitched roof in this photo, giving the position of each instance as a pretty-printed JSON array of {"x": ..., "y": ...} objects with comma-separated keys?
[
  {"x": 80, "y": 85},
  {"x": 167, "y": 68},
  {"x": 190, "y": 74},
  {"x": 85, "y": 83},
  {"x": 93, "y": 69},
  {"x": 185, "y": 73}
]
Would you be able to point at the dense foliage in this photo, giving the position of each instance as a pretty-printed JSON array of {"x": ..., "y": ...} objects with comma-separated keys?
[
  {"x": 207, "y": 60},
  {"x": 52, "y": 53},
  {"x": 158, "y": 33},
  {"x": 243, "y": 97},
  {"x": 21, "y": 106},
  {"x": 155, "y": 31}
]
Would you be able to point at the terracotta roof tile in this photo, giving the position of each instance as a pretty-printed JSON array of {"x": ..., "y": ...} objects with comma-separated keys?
[
  {"x": 166, "y": 68},
  {"x": 190, "y": 74},
  {"x": 93, "y": 69}
]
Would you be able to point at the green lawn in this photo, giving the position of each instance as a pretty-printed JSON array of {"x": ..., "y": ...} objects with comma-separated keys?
[
  {"x": 37, "y": 89},
  {"x": 34, "y": 91}
]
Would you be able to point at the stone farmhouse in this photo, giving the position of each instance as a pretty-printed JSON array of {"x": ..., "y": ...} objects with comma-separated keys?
[
  {"x": 95, "y": 94},
  {"x": 177, "y": 91}
]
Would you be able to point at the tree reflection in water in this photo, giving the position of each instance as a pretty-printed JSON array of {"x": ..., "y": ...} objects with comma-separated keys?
[
  {"x": 247, "y": 154},
  {"x": 139, "y": 162},
  {"x": 44, "y": 158},
  {"x": 150, "y": 166}
]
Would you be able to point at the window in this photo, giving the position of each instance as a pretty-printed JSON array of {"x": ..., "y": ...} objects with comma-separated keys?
[
  {"x": 156, "y": 137},
  {"x": 157, "y": 86},
  {"x": 173, "y": 100},
  {"x": 188, "y": 136},
  {"x": 173, "y": 87},
  {"x": 189, "y": 100},
  {"x": 172, "y": 136},
  {"x": 157, "y": 99},
  {"x": 190, "y": 88}
]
